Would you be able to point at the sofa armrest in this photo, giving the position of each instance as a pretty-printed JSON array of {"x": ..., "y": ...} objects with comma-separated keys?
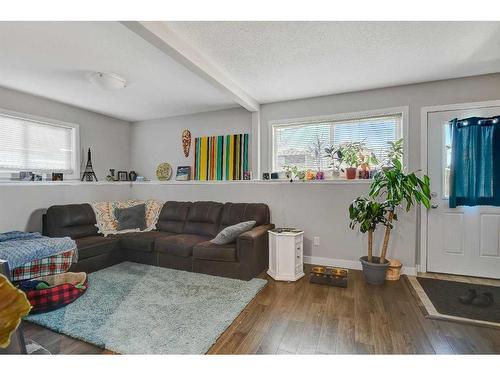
[
  {"x": 253, "y": 250},
  {"x": 255, "y": 233}
]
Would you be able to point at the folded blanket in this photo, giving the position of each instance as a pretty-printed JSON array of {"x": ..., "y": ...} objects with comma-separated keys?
[{"x": 18, "y": 248}]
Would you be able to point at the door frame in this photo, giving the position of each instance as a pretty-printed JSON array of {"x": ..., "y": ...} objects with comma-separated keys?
[{"x": 424, "y": 114}]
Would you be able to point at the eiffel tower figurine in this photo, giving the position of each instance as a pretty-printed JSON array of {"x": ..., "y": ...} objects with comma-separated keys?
[{"x": 89, "y": 174}]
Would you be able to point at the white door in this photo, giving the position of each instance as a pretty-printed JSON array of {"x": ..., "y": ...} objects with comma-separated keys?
[{"x": 462, "y": 240}]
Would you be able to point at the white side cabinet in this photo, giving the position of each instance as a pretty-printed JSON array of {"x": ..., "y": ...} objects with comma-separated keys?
[{"x": 286, "y": 258}]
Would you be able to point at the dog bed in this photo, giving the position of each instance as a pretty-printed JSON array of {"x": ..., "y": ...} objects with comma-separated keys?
[{"x": 52, "y": 292}]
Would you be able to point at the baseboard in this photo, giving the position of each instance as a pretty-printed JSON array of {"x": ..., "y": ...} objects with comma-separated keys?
[{"x": 351, "y": 264}]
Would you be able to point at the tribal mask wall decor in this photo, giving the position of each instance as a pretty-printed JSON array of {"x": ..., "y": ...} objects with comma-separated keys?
[{"x": 186, "y": 142}]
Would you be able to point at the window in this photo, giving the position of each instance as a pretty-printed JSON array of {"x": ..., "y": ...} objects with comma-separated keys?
[
  {"x": 38, "y": 145},
  {"x": 302, "y": 144}
]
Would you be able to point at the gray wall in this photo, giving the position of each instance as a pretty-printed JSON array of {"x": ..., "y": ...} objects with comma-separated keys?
[
  {"x": 22, "y": 206},
  {"x": 108, "y": 138},
  {"x": 157, "y": 141},
  {"x": 320, "y": 209}
]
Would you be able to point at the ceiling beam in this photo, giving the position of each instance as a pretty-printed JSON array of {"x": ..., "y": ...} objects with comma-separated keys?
[{"x": 158, "y": 34}]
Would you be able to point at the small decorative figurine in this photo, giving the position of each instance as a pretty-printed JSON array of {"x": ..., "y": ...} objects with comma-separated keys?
[
  {"x": 186, "y": 142},
  {"x": 89, "y": 174}
]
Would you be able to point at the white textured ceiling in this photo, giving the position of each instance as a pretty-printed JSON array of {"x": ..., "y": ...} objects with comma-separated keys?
[
  {"x": 276, "y": 61},
  {"x": 53, "y": 60}
]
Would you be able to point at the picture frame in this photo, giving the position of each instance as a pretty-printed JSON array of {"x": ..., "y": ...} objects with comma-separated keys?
[
  {"x": 122, "y": 175},
  {"x": 183, "y": 173},
  {"x": 26, "y": 176},
  {"x": 57, "y": 176}
]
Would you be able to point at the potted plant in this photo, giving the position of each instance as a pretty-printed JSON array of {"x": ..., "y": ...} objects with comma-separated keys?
[
  {"x": 367, "y": 158},
  {"x": 391, "y": 189},
  {"x": 368, "y": 213},
  {"x": 294, "y": 171},
  {"x": 399, "y": 190},
  {"x": 335, "y": 155},
  {"x": 395, "y": 153}
]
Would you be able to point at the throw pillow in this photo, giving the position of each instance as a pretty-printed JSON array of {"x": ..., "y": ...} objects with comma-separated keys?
[
  {"x": 230, "y": 234},
  {"x": 104, "y": 213},
  {"x": 131, "y": 217}
]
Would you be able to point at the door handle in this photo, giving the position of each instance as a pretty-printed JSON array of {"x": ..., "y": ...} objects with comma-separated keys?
[{"x": 434, "y": 205}]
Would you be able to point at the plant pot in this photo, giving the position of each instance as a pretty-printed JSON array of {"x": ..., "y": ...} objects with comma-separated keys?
[
  {"x": 350, "y": 173},
  {"x": 374, "y": 272},
  {"x": 364, "y": 174}
]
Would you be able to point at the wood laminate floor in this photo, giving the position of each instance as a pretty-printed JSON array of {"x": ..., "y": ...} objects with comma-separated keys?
[{"x": 304, "y": 318}]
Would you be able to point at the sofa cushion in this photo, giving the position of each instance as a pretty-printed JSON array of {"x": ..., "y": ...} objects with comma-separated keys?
[
  {"x": 133, "y": 217},
  {"x": 141, "y": 241},
  {"x": 210, "y": 251},
  {"x": 203, "y": 218},
  {"x": 92, "y": 246},
  {"x": 173, "y": 216},
  {"x": 72, "y": 220},
  {"x": 233, "y": 213},
  {"x": 180, "y": 245}
]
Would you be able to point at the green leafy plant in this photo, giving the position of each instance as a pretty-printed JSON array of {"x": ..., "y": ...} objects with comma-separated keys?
[
  {"x": 368, "y": 213},
  {"x": 335, "y": 155},
  {"x": 350, "y": 153},
  {"x": 367, "y": 158},
  {"x": 294, "y": 171},
  {"x": 395, "y": 151},
  {"x": 399, "y": 190}
]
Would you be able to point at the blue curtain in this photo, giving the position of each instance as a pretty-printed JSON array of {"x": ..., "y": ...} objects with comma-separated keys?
[{"x": 475, "y": 162}]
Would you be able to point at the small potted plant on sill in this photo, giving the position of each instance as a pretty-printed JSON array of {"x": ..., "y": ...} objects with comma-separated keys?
[
  {"x": 367, "y": 159},
  {"x": 335, "y": 155},
  {"x": 369, "y": 213},
  {"x": 294, "y": 171},
  {"x": 351, "y": 157}
]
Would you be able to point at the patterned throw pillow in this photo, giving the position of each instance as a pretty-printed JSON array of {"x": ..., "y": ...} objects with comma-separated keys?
[{"x": 107, "y": 223}]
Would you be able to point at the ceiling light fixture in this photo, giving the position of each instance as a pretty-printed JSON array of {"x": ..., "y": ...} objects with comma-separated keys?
[{"x": 107, "y": 81}]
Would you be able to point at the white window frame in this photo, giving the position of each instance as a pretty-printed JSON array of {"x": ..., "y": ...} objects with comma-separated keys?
[
  {"x": 349, "y": 116},
  {"x": 75, "y": 162}
]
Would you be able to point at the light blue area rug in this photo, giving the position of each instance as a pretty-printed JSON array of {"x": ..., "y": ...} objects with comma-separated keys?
[{"x": 133, "y": 308}]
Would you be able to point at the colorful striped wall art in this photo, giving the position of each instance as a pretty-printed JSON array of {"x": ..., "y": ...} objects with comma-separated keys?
[{"x": 221, "y": 157}]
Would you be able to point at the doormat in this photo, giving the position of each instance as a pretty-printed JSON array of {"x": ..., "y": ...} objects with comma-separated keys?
[{"x": 440, "y": 300}]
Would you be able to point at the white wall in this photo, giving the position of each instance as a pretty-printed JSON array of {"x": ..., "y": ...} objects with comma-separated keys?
[
  {"x": 22, "y": 205},
  {"x": 160, "y": 140},
  {"x": 108, "y": 138}
]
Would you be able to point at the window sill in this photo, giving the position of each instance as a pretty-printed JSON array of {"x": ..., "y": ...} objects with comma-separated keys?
[
  {"x": 190, "y": 182},
  {"x": 61, "y": 183}
]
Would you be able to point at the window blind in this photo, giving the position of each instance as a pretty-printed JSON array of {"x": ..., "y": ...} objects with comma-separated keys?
[
  {"x": 30, "y": 145},
  {"x": 303, "y": 144}
]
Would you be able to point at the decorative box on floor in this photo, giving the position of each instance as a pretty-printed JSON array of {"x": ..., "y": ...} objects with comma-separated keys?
[
  {"x": 329, "y": 276},
  {"x": 286, "y": 258},
  {"x": 53, "y": 292}
]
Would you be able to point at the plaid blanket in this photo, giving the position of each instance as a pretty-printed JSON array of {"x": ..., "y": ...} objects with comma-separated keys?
[
  {"x": 42, "y": 267},
  {"x": 19, "y": 248}
]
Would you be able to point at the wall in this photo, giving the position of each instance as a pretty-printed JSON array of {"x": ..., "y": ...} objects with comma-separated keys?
[
  {"x": 157, "y": 141},
  {"x": 22, "y": 204},
  {"x": 320, "y": 208},
  {"x": 108, "y": 138},
  {"x": 471, "y": 89}
]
